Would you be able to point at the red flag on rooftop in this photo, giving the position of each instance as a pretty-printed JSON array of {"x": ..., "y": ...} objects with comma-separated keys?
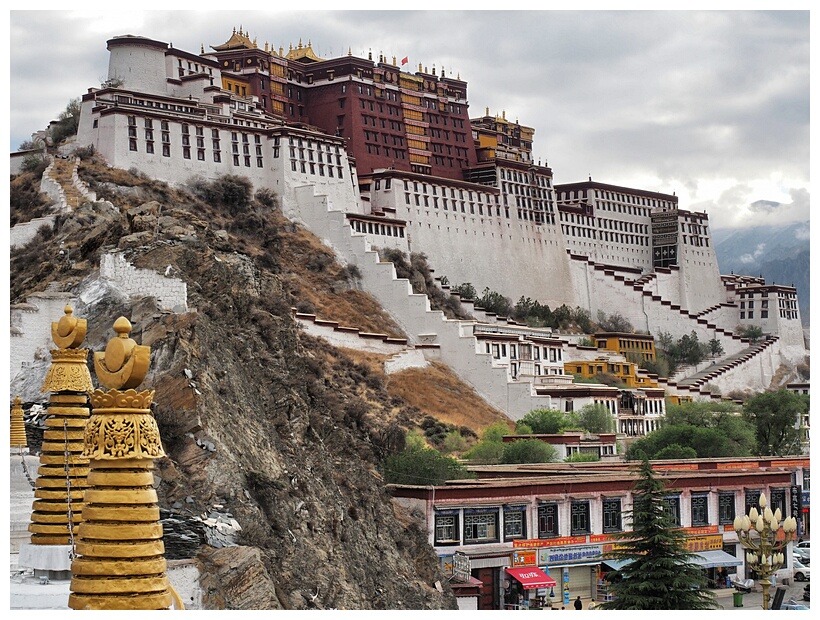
[{"x": 405, "y": 60}]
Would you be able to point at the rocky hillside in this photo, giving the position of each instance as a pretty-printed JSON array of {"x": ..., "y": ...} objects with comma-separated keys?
[{"x": 260, "y": 421}]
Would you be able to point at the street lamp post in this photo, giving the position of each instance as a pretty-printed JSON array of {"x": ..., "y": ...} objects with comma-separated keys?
[{"x": 758, "y": 533}]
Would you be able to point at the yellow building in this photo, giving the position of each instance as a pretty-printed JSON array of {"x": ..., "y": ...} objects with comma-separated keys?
[
  {"x": 633, "y": 345},
  {"x": 626, "y": 372}
]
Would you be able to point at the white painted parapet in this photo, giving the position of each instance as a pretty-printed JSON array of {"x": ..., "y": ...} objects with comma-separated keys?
[
  {"x": 349, "y": 337},
  {"x": 31, "y": 328}
]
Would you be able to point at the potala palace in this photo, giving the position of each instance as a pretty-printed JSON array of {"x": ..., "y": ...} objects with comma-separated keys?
[{"x": 367, "y": 154}]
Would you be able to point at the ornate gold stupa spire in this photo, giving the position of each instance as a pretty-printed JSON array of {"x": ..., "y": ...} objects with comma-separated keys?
[
  {"x": 61, "y": 483},
  {"x": 17, "y": 427},
  {"x": 121, "y": 562}
]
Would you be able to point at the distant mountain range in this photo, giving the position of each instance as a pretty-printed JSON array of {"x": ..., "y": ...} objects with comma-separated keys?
[{"x": 779, "y": 254}]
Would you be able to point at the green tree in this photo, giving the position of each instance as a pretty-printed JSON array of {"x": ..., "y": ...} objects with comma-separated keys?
[
  {"x": 688, "y": 350},
  {"x": 542, "y": 421},
  {"x": 583, "y": 320},
  {"x": 720, "y": 436},
  {"x": 69, "y": 121},
  {"x": 752, "y": 332},
  {"x": 466, "y": 290},
  {"x": 491, "y": 446},
  {"x": 595, "y": 418},
  {"x": 454, "y": 442},
  {"x": 485, "y": 452},
  {"x": 775, "y": 417},
  {"x": 30, "y": 145},
  {"x": 614, "y": 322},
  {"x": 529, "y": 451},
  {"x": 495, "y": 302},
  {"x": 715, "y": 347},
  {"x": 582, "y": 457},
  {"x": 423, "y": 466},
  {"x": 659, "y": 573},
  {"x": 676, "y": 451}
]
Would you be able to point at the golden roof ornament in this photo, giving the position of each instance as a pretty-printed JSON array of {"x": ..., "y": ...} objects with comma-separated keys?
[
  {"x": 17, "y": 427},
  {"x": 68, "y": 371},
  {"x": 61, "y": 483},
  {"x": 120, "y": 562},
  {"x": 124, "y": 363}
]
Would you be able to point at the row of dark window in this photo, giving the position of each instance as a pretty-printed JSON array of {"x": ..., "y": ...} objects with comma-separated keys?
[{"x": 507, "y": 523}]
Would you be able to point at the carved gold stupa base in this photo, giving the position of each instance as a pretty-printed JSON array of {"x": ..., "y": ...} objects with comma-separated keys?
[
  {"x": 61, "y": 482},
  {"x": 120, "y": 563}
]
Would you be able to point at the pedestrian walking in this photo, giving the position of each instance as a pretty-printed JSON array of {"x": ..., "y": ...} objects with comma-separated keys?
[{"x": 578, "y": 603}]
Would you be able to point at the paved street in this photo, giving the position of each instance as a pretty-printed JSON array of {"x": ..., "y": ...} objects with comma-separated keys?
[{"x": 754, "y": 600}]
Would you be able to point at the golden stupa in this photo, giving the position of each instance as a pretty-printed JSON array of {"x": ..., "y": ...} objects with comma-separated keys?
[
  {"x": 120, "y": 562},
  {"x": 17, "y": 427},
  {"x": 58, "y": 506}
]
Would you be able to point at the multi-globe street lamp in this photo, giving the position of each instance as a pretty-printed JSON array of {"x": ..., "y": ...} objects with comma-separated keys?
[{"x": 759, "y": 533}]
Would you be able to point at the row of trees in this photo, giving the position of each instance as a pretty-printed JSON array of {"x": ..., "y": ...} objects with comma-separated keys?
[
  {"x": 767, "y": 424},
  {"x": 529, "y": 311},
  {"x": 420, "y": 464}
]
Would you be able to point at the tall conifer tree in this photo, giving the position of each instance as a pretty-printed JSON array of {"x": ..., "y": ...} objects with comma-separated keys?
[{"x": 658, "y": 573}]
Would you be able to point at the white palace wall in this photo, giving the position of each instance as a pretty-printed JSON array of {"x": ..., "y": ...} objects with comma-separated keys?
[
  {"x": 423, "y": 326},
  {"x": 699, "y": 281},
  {"x": 507, "y": 255}
]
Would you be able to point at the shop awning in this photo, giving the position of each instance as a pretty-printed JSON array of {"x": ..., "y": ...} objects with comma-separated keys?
[
  {"x": 704, "y": 559},
  {"x": 532, "y": 577},
  {"x": 714, "y": 558},
  {"x": 616, "y": 564}
]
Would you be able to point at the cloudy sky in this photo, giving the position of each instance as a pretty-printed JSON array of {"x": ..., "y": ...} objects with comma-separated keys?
[{"x": 712, "y": 106}]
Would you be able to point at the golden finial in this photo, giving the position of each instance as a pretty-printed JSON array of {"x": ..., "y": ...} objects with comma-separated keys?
[
  {"x": 124, "y": 363},
  {"x": 394, "y": 61},
  {"x": 419, "y": 67},
  {"x": 349, "y": 52},
  {"x": 69, "y": 331}
]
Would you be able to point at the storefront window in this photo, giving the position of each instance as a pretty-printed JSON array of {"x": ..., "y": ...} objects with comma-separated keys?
[
  {"x": 515, "y": 523},
  {"x": 612, "y": 515},
  {"x": 579, "y": 518},
  {"x": 726, "y": 508},
  {"x": 778, "y": 500},
  {"x": 752, "y": 498},
  {"x": 673, "y": 508},
  {"x": 547, "y": 520},
  {"x": 480, "y": 527},
  {"x": 447, "y": 528},
  {"x": 700, "y": 510}
]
